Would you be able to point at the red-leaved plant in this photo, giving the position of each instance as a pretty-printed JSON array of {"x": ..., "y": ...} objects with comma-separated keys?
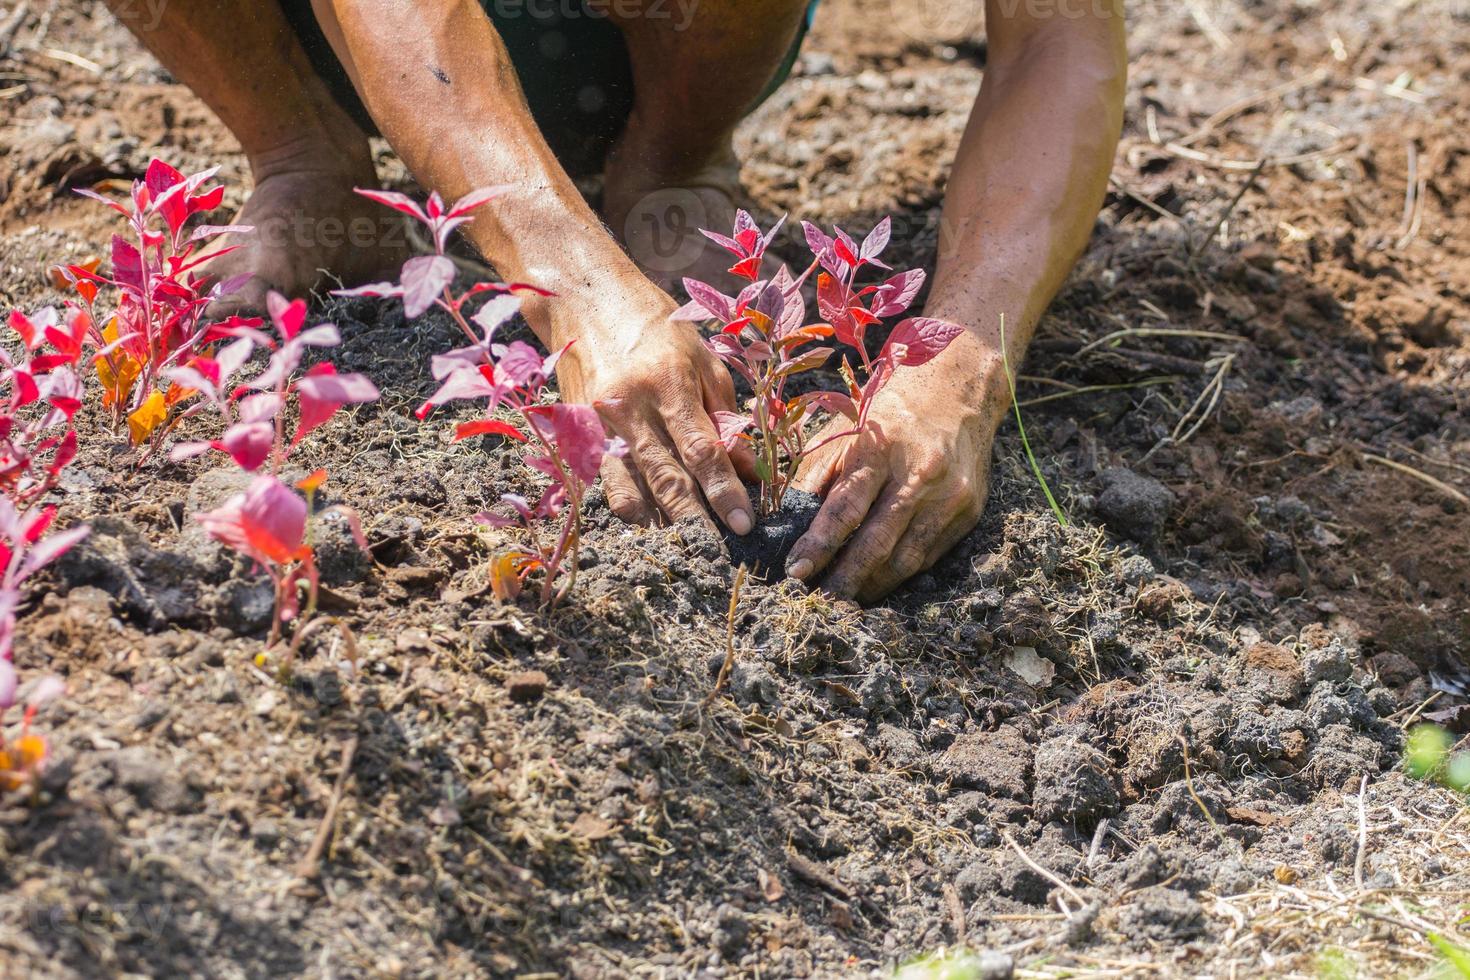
[
  {"x": 25, "y": 548},
  {"x": 566, "y": 443},
  {"x": 40, "y": 395},
  {"x": 270, "y": 522},
  {"x": 764, "y": 335},
  {"x": 161, "y": 296}
]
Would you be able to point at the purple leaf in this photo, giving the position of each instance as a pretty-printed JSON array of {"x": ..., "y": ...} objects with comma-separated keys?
[
  {"x": 877, "y": 240},
  {"x": 897, "y": 294},
  {"x": 716, "y": 303}
]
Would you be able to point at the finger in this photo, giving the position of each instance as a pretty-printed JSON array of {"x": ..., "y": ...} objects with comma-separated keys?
[
  {"x": 698, "y": 446},
  {"x": 668, "y": 482},
  {"x": 719, "y": 396},
  {"x": 841, "y": 514},
  {"x": 926, "y": 541},
  {"x": 626, "y": 495},
  {"x": 821, "y": 468},
  {"x": 871, "y": 548}
]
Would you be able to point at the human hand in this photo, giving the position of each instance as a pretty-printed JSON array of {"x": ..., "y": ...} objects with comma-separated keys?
[
  {"x": 904, "y": 491},
  {"x": 655, "y": 385}
]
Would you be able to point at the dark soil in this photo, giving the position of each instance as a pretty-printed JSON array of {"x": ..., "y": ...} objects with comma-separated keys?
[
  {"x": 765, "y": 548},
  {"x": 1169, "y": 705}
]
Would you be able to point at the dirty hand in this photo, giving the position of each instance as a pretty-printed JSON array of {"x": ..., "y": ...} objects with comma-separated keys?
[
  {"x": 655, "y": 385},
  {"x": 902, "y": 493}
]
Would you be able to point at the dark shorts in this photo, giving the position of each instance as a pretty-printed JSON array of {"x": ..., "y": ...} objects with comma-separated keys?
[{"x": 573, "y": 66}]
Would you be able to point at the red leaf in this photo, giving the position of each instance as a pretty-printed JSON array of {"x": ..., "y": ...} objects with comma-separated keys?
[
  {"x": 127, "y": 264},
  {"x": 488, "y": 427}
]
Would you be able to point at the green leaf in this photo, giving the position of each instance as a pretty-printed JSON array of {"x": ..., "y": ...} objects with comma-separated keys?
[
  {"x": 1427, "y": 748},
  {"x": 1457, "y": 956},
  {"x": 1457, "y": 774}
]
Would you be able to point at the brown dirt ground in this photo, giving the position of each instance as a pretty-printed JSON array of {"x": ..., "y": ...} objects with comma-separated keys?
[{"x": 870, "y": 785}]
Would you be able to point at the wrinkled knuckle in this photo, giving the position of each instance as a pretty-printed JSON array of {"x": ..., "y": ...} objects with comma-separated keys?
[
  {"x": 930, "y": 469},
  {"x": 626, "y": 505},
  {"x": 907, "y": 562},
  {"x": 666, "y": 482}
]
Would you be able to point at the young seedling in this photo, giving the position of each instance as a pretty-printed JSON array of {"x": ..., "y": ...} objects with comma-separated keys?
[
  {"x": 25, "y": 548},
  {"x": 428, "y": 280},
  {"x": 161, "y": 296},
  {"x": 271, "y": 522},
  {"x": 565, "y": 443},
  {"x": 39, "y": 396},
  {"x": 763, "y": 335}
]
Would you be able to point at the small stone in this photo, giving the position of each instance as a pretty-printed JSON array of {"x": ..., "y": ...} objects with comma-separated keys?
[
  {"x": 527, "y": 686},
  {"x": 265, "y": 832}
]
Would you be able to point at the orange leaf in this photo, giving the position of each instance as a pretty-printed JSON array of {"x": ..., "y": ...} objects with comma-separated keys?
[
  {"x": 147, "y": 417},
  {"x": 311, "y": 482}
]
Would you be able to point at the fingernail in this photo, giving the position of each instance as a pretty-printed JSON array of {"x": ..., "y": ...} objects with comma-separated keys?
[
  {"x": 739, "y": 522},
  {"x": 800, "y": 568}
]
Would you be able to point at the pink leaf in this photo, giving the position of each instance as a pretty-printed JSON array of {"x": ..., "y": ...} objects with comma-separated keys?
[
  {"x": 923, "y": 338},
  {"x": 322, "y": 392},
  {"x": 288, "y": 316},
  {"x": 188, "y": 450},
  {"x": 425, "y": 277},
  {"x": 8, "y": 679},
  {"x": 520, "y": 364},
  {"x": 376, "y": 290},
  {"x": 478, "y": 199},
  {"x": 248, "y": 443},
  {"x": 127, "y": 264},
  {"x": 730, "y": 426},
  {"x": 396, "y": 201},
  {"x": 835, "y": 402},
  {"x": 211, "y": 231},
  {"x": 50, "y": 548},
  {"x": 577, "y": 433}
]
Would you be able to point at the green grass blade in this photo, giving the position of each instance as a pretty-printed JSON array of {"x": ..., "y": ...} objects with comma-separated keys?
[{"x": 1005, "y": 361}]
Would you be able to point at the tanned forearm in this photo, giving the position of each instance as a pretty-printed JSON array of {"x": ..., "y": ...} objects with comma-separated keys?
[
  {"x": 439, "y": 83},
  {"x": 1028, "y": 180}
]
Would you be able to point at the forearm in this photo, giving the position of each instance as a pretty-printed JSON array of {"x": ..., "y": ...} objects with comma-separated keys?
[
  {"x": 1027, "y": 184},
  {"x": 440, "y": 85}
]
